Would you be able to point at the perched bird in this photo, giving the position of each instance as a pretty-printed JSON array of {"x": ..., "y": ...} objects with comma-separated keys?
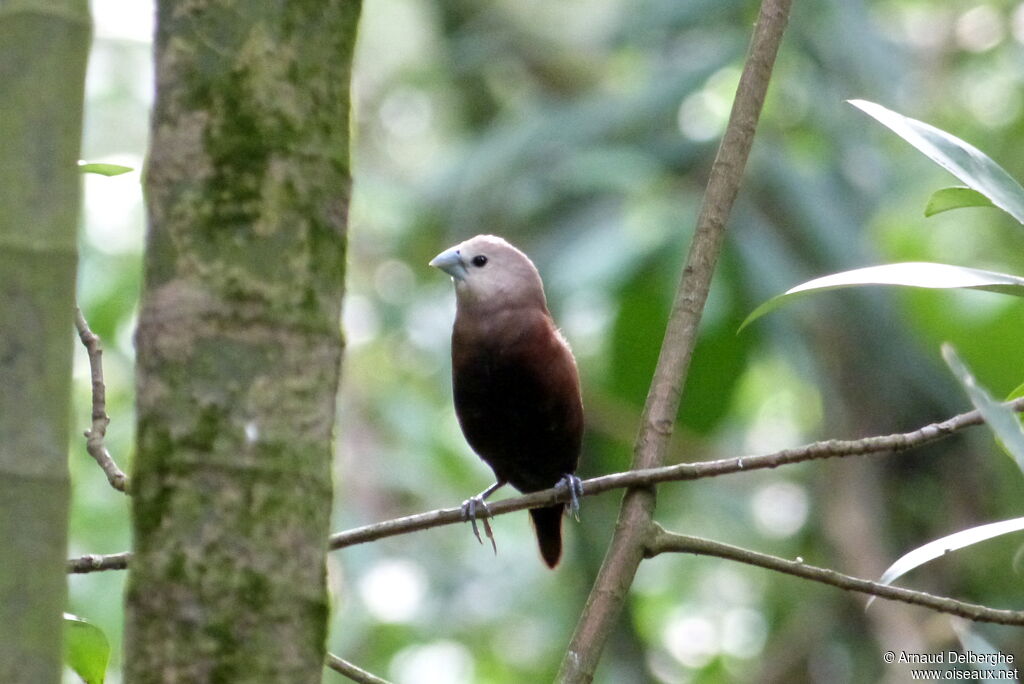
[{"x": 516, "y": 386}]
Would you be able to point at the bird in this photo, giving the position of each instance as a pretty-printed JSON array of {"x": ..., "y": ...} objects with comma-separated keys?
[{"x": 515, "y": 382}]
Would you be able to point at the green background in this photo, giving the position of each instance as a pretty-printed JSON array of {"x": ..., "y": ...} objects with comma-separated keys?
[{"x": 583, "y": 132}]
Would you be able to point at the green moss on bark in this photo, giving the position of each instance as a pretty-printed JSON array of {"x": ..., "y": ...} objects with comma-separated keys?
[{"x": 238, "y": 343}]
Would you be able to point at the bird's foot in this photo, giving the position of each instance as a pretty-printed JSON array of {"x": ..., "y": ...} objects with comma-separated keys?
[
  {"x": 575, "y": 487},
  {"x": 469, "y": 511}
]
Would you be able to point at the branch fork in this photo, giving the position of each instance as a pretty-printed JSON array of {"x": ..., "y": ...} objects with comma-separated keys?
[{"x": 95, "y": 436}]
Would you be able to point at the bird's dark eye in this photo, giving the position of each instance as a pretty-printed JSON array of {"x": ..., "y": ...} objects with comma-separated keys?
[{"x": 479, "y": 260}]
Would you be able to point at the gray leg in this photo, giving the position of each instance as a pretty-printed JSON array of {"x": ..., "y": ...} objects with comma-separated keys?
[
  {"x": 469, "y": 511},
  {"x": 575, "y": 487}
]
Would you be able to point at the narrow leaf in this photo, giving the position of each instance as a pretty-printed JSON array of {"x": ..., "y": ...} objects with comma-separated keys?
[
  {"x": 910, "y": 274},
  {"x": 972, "y": 166},
  {"x": 952, "y": 542},
  {"x": 1000, "y": 419},
  {"x": 86, "y": 650},
  {"x": 972, "y": 642},
  {"x": 103, "y": 169},
  {"x": 957, "y": 197},
  {"x": 1017, "y": 393}
]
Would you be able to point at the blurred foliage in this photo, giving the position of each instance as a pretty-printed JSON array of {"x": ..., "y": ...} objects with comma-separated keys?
[{"x": 583, "y": 132}]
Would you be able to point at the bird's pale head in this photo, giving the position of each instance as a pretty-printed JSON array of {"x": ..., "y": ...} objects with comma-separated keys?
[{"x": 489, "y": 272}]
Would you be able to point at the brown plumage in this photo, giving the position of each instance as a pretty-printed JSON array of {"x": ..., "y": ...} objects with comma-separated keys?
[{"x": 517, "y": 390}]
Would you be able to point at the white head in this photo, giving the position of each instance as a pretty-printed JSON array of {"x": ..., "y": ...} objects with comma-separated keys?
[{"x": 490, "y": 273}]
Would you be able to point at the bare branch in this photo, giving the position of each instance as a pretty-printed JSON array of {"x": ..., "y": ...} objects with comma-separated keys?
[
  {"x": 95, "y": 562},
  {"x": 661, "y": 541},
  {"x": 684, "y": 471},
  {"x": 625, "y": 550},
  {"x": 356, "y": 674},
  {"x": 634, "y": 478},
  {"x": 94, "y": 437}
]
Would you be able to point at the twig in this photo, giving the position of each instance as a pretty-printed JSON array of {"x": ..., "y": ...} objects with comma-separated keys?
[
  {"x": 625, "y": 551},
  {"x": 356, "y": 674},
  {"x": 894, "y": 443},
  {"x": 94, "y": 437},
  {"x": 95, "y": 562},
  {"x": 634, "y": 478},
  {"x": 661, "y": 541}
]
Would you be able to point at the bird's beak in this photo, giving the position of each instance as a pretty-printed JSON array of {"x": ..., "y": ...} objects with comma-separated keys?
[{"x": 450, "y": 261}]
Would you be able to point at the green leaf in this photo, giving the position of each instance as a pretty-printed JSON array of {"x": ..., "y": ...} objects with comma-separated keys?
[
  {"x": 963, "y": 160},
  {"x": 1017, "y": 393},
  {"x": 1004, "y": 423},
  {"x": 103, "y": 169},
  {"x": 940, "y": 547},
  {"x": 957, "y": 197},
  {"x": 1000, "y": 419},
  {"x": 86, "y": 650},
  {"x": 910, "y": 274}
]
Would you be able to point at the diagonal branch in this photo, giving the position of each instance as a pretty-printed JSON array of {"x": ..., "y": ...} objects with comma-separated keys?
[
  {"x": 94, "y": 437},
  {"x": 894, "y": 443},
  {"x": 625, "y": 552},
  {"x": 661, "y": 541},
  {"x": 353, "y": 672}
]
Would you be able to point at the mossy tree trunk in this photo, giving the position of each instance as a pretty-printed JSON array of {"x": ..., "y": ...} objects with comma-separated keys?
[
  {"x": 238, "y": 343},
  {"x": 43, "y": 50}
]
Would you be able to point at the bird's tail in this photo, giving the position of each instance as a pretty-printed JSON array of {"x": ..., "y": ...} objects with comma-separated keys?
[{"x": 548, "y": 524}]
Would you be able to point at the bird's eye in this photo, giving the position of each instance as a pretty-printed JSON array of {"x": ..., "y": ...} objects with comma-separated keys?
[{"x": 479, "y": 260}]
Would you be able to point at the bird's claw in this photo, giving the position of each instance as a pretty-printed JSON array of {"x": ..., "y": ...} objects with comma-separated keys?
[
  {"x": 469, "y": 509},
  {"x": 575, "y": 487}
]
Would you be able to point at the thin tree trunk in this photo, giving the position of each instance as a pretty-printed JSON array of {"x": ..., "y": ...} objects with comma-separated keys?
[
  {"x": 626, "y": 549},
  {"x": 238, "y": 341},
  {"x": 43, "y": 52}
]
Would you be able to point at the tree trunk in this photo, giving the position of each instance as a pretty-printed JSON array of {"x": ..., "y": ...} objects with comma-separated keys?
[
  {"x": 43, "y": 52},
  {"x": 238, "y": 344}
]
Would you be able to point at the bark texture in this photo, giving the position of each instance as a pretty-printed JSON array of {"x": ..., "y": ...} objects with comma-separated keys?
[
  {"x": 238, "y": 343},
  {"x": 43, "y": 52}
]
